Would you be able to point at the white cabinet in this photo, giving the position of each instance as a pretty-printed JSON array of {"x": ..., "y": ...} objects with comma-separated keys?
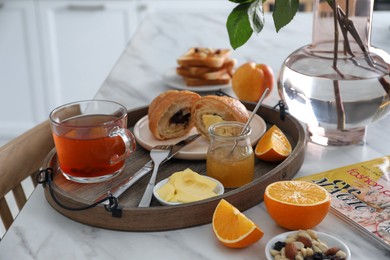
[
  {"x": 21, "y": 92},
  {"x": 82, "y": 41},
  {"x": 54, "y": 52}
]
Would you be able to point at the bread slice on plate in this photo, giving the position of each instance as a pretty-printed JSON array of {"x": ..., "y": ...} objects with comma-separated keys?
[
  {"x": 222, "y": 80},
  {"x": 207, "y": 72},
  {"x": 207, "y": 57},
  {"x": 209, "y": 75},
  {"x": 197, "y": 71}
]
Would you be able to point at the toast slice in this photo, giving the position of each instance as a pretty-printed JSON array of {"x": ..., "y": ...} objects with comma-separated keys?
[
  {"x": 196, "y": 71},
  {"x": 206, "y": 57},
  {"x": 224, "y": 79},
  {"x": 209, "y": 75},
  {"x": 207, "y": 72}
]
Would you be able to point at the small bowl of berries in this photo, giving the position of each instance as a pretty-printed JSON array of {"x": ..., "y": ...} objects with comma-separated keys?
[{"x": 307, "y": 245}]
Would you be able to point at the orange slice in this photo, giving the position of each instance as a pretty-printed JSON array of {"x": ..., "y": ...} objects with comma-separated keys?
[
  {"x": 296, "y": 204},
  {"x": 232, "y": 228},
  {"x": 273, "y": 146}
]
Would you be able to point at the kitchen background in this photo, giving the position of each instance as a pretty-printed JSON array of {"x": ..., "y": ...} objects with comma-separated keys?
[
  {"x": 53, "y": 51},
  {"x": 56, "y": 51}
]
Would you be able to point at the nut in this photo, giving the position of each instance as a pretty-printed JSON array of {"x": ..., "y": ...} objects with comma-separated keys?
[
  {"x": 290, "y": 239},
  {"x": 304, "y": 252},
  {"x": 304, "y": 244},
  {"x": 312, "y": 234},
  {"x": 274, "y": 252},
  {"x": 303, "y": 233},
  {"x": 305, "y": 241},
  {"x": 332, "y": 251},
  {"x": 309, "y": 252},
  {"x": 319, "y": 247},
  {"x": 291, "y": 251},
  {"x": 298, "y": 245},
  {"x": 341, "y": 254},
  {"x": 316, "y": 249},
  {"x": 283, "y": 252}
]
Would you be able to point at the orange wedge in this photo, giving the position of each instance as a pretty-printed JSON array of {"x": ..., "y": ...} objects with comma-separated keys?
[
  {"x": 232, "y": 228},
  {"x": 273, "y": 146},
  {"x": 296, "y": 204}
]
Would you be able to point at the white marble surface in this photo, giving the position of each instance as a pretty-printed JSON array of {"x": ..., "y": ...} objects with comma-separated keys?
[{"x": 39, "y": 232}]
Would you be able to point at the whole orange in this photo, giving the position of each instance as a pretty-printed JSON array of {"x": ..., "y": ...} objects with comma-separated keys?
[
  {"x": 296, "y": 204},
  {"x": 250, "y": 80}
]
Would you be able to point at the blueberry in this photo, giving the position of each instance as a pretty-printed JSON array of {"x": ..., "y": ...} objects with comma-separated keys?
[
  {"x": 319, "y": 256},
  {"x": 279, "y": 245}
]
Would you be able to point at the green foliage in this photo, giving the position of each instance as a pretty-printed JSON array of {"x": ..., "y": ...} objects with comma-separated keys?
[
  {"x": 248, "y": 17},
  {"x": 256, "y": 16},
  {"x": 238, "y": 25},
  {"x": 285, "y": 11}
]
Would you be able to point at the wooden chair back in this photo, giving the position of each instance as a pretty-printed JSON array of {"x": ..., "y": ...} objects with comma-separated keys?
[{"x": 21, "y": 158}]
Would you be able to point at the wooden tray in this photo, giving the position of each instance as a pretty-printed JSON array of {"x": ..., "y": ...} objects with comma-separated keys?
[{"x": 159, "y": 217}]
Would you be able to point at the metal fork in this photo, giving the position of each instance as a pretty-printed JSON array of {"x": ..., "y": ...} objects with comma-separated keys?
[{"x": 158, "y": 154}]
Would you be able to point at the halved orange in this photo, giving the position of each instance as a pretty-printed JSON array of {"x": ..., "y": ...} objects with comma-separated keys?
[
  {"x": 232, "y": 228},
  {"x": 273, "y": 146},
  {"x": 296, "y": 204}
]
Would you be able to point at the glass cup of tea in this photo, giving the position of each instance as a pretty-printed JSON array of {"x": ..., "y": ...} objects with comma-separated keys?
[
  {"x": 91, "y": 139},
  {"x": 230, "y": 158}
]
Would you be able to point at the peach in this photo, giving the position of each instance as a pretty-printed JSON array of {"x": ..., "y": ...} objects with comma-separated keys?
[{"x": 250, "y": 80}]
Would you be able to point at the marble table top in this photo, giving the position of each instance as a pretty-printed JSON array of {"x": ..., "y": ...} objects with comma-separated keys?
[{"x": 40, "y": 232}]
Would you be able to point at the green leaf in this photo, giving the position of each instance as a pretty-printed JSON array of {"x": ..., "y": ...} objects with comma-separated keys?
[
  {"x": 256, "y": 16},
  {"x": 238, "y": 26},
  {"x": 284, "y": 12}
]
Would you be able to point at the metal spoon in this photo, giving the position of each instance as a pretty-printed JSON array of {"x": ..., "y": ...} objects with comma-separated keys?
[{"x": 251, "y": 116}]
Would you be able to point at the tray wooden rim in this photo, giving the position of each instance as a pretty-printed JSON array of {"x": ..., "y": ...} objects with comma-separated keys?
[{"x": 196, "y": 213}]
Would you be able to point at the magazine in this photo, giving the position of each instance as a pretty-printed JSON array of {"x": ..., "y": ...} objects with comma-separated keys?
[{"x": 360, "y": 196}]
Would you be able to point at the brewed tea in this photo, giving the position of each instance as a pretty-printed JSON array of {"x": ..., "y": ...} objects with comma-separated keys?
[{"x": 85, "y": 149}]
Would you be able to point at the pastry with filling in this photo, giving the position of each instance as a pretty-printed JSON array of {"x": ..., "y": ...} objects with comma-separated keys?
[
  {"x": 211, "y": 109},
  {"x": 170, "y": 114}
]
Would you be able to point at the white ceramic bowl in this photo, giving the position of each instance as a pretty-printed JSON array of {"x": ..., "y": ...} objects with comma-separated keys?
[
  {"x": 219, "y": 190},
  {"x": 329, "y": 240}
]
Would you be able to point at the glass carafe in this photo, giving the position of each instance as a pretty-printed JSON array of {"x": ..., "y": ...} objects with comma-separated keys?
[{"x": 338, "y": 84}]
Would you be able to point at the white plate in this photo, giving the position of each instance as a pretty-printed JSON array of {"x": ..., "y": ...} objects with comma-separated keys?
[
  {"x": 196, "y": 150},
  {"x": 173, "y": 80},
  {"x": 329, "y": 240},
  {"x": 219, "y": 190}
]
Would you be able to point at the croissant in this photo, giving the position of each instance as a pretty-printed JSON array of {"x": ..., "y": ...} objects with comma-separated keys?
[
  {"x": 219, "y": 108},
  {"x": 169, "y": 114}
]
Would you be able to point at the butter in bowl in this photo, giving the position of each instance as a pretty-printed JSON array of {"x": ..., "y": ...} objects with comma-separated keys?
[{"x": 186, "y": 186}]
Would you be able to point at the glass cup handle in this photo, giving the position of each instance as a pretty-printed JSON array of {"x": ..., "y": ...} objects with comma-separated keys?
[{"x": 128, "y": 139}]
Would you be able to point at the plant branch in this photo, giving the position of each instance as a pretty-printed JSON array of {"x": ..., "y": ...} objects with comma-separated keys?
[
  {"x": 336, "y": 83},
  {"x": 336, "y": 36},
  {"x": 346, "y": 26},
  {"x": 341, "y": 18}
]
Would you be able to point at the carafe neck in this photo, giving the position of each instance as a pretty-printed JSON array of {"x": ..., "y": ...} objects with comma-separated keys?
[{"x": 355, "y": 13}]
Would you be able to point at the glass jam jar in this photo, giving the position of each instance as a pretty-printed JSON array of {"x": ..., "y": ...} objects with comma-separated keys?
[{"x": 232, "y": 167}]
